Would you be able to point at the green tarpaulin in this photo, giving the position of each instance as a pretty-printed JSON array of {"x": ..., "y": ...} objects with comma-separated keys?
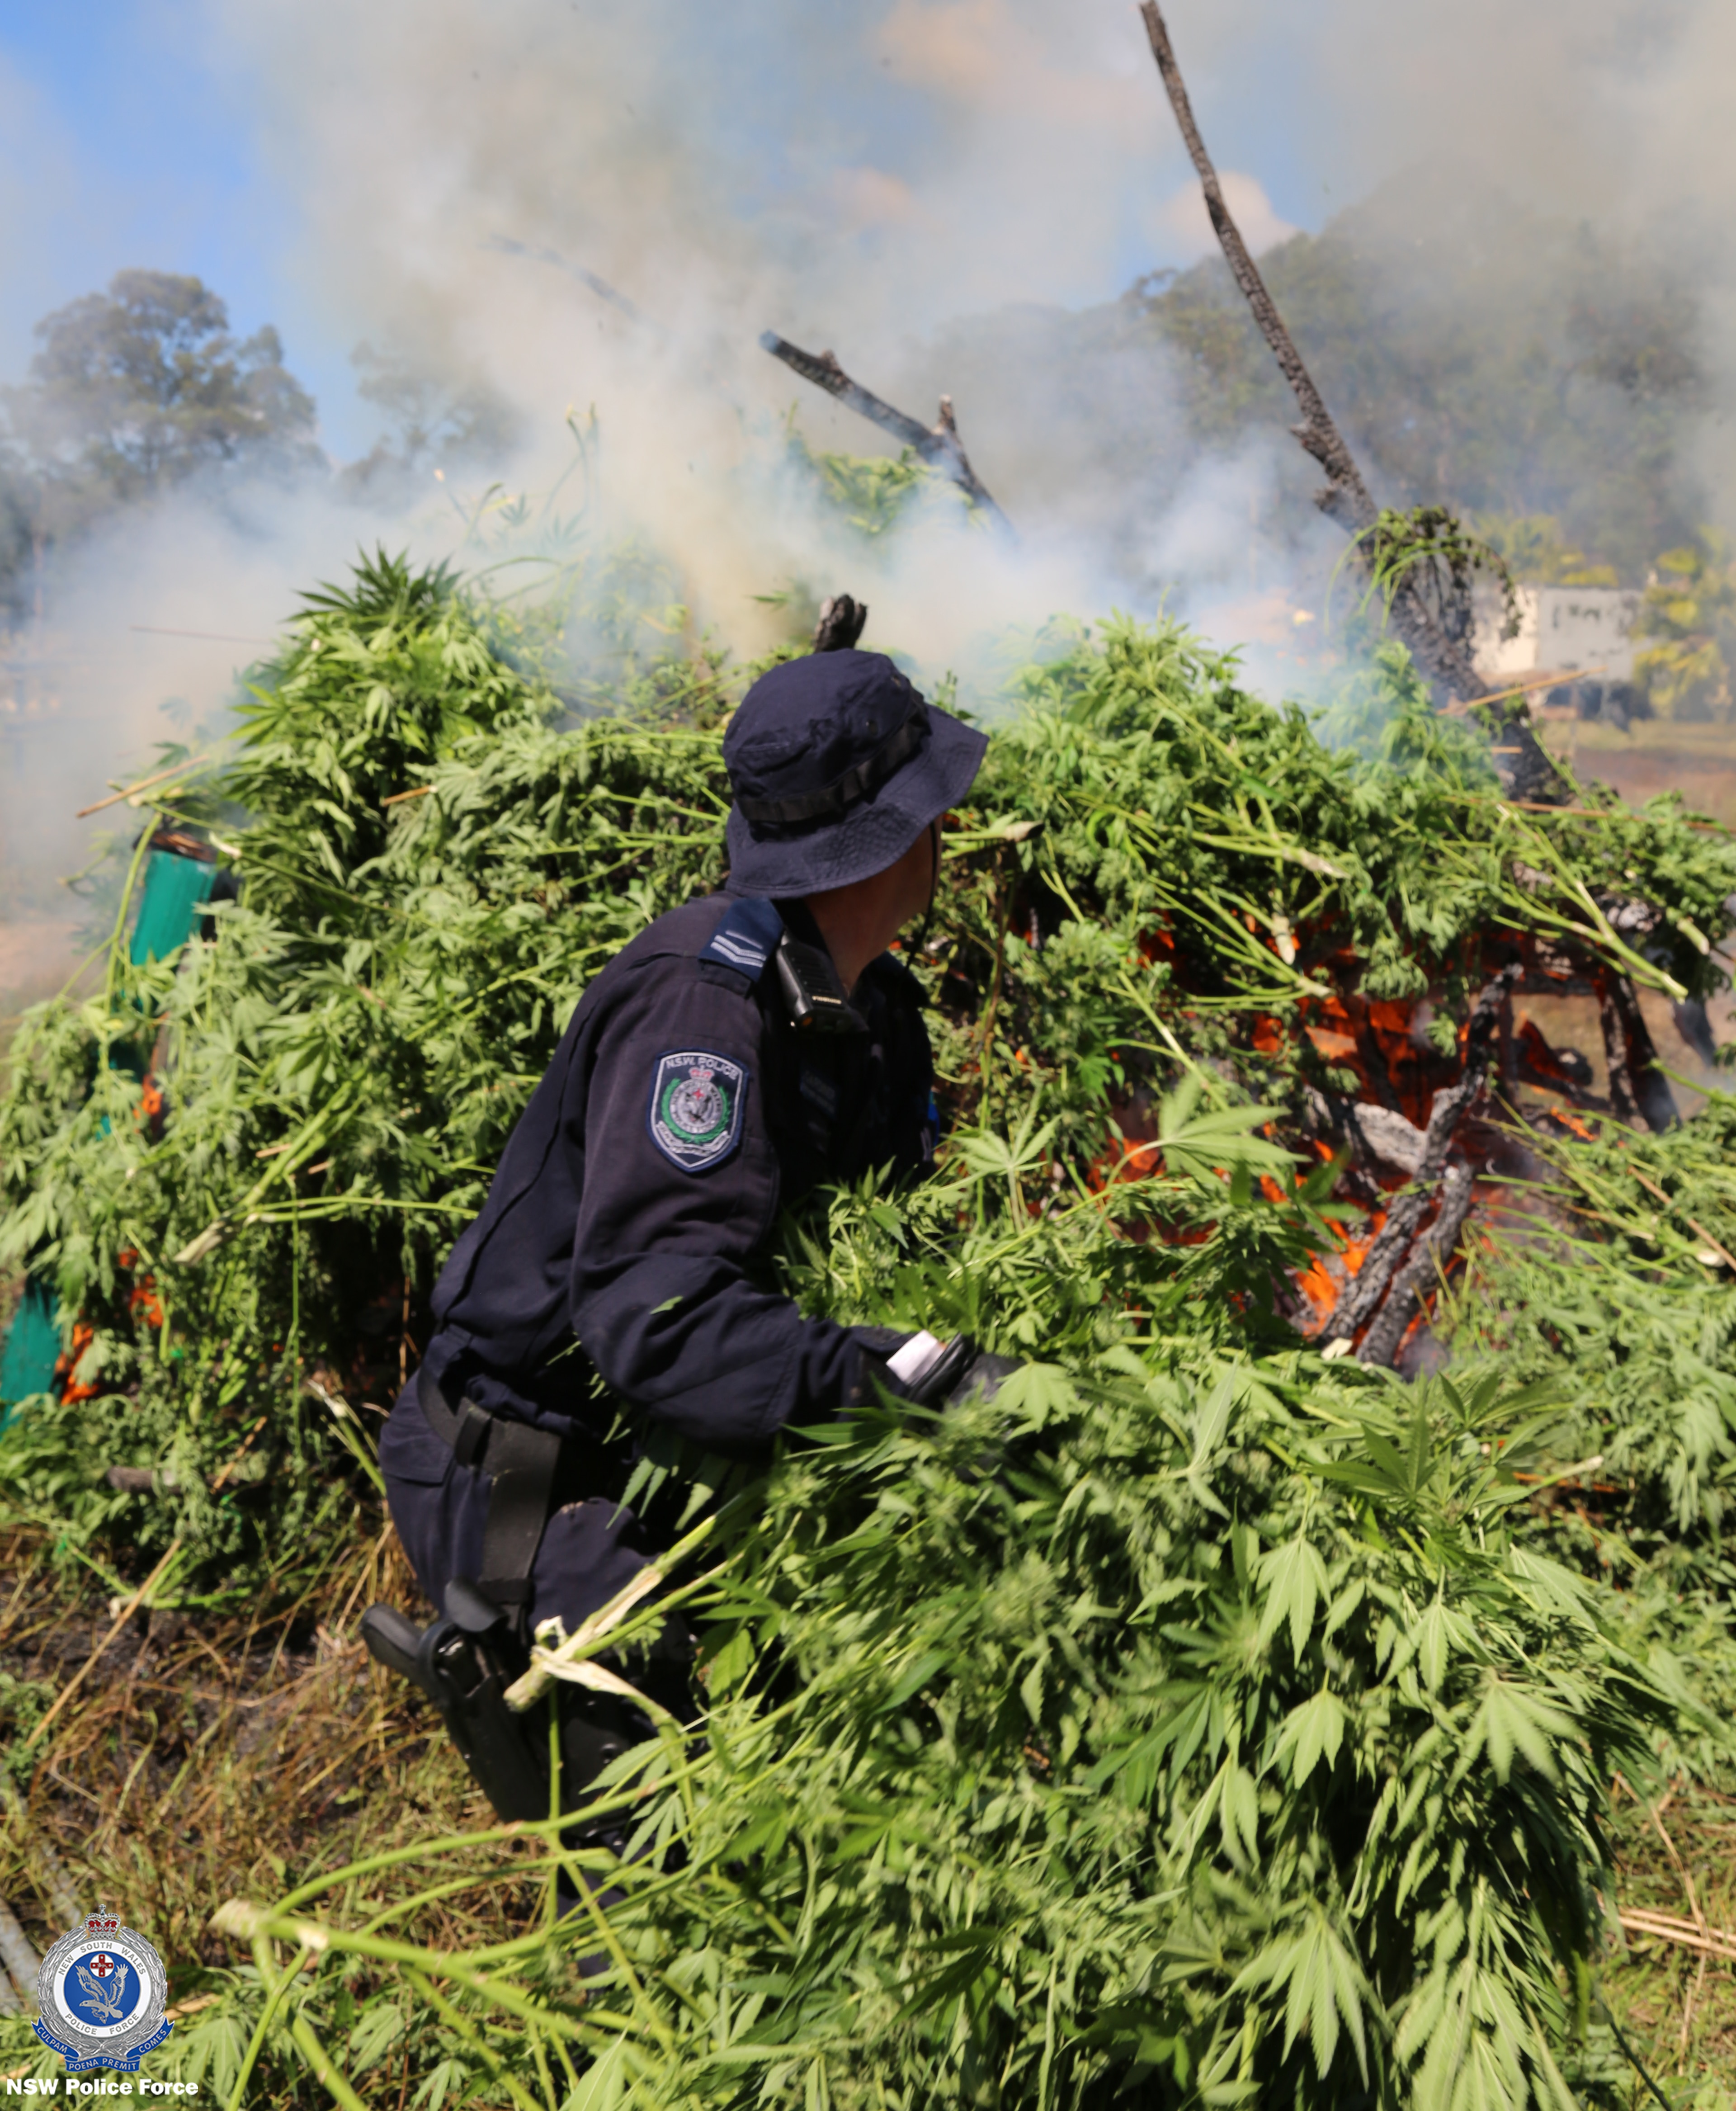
[
  {"x": 176, "y": 889},
  {"x": 33, "y": 1346}
]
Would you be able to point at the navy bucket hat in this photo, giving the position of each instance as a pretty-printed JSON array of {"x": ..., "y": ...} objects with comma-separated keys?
[{"x": 838, "y": 766}]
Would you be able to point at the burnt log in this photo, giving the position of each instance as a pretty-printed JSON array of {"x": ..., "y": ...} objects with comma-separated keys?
[
  {"x": 1526, "y": 769},
  {"x": 1386, "y": 1255},
  {"x": 1427, "y": 1266},
  {"x": 939, "y": 445},
  {"x": 1377, "y": 1136}
]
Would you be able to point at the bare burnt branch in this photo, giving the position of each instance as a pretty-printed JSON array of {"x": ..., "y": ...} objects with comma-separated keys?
[
  {"x": 1438, "y": 647},
  {"x": 1426, "y": 1267},
  {"x": 1638, "y": 1090},
  {"x": 1383, "y": 1259},
  {"x": 1346, "y": 498},
  {"x": 939, "y": 446}
]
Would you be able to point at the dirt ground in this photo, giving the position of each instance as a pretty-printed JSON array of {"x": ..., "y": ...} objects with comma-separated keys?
[
  {"x": 37, "y": 956},
  {"x": 1650, "y": 756}
]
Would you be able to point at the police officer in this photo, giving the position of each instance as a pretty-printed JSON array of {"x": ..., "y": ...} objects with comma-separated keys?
[{"x": 747, "y": 1048}]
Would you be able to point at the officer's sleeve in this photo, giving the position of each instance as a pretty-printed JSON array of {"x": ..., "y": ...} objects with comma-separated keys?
[{"x": 681, "y": 1184}]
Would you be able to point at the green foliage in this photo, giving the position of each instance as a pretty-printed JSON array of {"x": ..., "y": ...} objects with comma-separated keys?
[
  {"x": 872, "y": 493},
  {"x": 1183, "y": 1725},
  {"x": 1386, "y": 714},
  {"x": 136, "y": 389},
  {"x": 1689, "y": 612},
  {"x": 1632, "y": 1293},
  {"x": 1426, "y": 554},
  {"x": 1173, "y": 1723},
  {"x": 1196, "y": 1718},
  {"x": 1538, "y": 553},
  {"x": 1151, "y": 853},
  {"x": 1166, "y": 796},
  {"x": 343, "y": 1063}
]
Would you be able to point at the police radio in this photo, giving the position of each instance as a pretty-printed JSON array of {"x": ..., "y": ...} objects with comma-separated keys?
[{"x": 817, "y": 1001}]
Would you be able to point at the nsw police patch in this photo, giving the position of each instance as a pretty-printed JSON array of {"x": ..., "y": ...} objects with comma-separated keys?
[{"x": 694, "y": 1116}]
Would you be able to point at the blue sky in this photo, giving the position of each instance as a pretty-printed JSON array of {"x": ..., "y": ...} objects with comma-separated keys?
[{"x": 160, "y": 167}]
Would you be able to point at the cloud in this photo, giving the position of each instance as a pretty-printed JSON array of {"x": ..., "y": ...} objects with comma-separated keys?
[{"x": 1186, "y": 227}]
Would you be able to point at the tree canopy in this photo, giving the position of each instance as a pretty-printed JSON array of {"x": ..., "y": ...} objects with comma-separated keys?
[
  {"x": 1477, "y": 354},
  {"x": 140, "y": 388},
  {"x": 433, "y": 421}
]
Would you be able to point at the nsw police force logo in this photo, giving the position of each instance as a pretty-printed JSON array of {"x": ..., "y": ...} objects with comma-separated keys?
[
  {"x": 694, "y": 1116},
  {"x": 102, "y": 1990}
]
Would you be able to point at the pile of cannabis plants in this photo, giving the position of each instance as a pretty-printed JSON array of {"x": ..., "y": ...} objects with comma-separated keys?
[
  {"x": 1181, "y": 1721},
  {"x": 1200, "y": 1717}
]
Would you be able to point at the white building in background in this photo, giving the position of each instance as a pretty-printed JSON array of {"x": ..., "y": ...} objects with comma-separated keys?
[{"x": 1569, "y": 629}]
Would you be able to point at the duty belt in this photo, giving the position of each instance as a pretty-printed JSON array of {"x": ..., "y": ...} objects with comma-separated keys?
[{"x": 523, "y": 1464}]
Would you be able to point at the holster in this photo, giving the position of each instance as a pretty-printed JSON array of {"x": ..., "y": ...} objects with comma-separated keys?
[
  {"x": 465, "y": 1662},
  {"x": 521, "y": 1462}
]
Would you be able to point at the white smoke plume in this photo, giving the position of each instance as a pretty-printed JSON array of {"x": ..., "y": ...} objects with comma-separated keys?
[{"x": 859, "y": 179}]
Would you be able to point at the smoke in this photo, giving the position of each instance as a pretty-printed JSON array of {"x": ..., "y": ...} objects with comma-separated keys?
[
  {"x": 147, "y": 637},
  {"x": 934, "y": 189},
  {"x": 863, "y": 178}
]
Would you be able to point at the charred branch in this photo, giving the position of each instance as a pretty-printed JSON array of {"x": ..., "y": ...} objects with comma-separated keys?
[
  {"x": 1378, "y": 1136},
  {"x": 1346, "y": 499},
  {"x": 843, "y": 621},
  {"x": 1425, "y": 1268},
  {"x": 1430, "y": 611},
  {"x": 939, "y": 446},
  {"x": 1638, "y": 1090},
  {"x": 1385, "y": 1257}
]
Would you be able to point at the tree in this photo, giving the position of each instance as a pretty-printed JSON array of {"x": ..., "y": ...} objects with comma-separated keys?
[
  {"x": 436, "y": 422},
  {"x": 1537, "y": 551},
  {"x": 143, "y": 388},
  {"x": 1688, "y": 614},
  {"x": 1475, "y": 354},
  {"x": 17, "y": 514}
]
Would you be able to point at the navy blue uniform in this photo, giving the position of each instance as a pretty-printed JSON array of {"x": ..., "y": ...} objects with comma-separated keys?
[{"x": 626, "y": 1228}]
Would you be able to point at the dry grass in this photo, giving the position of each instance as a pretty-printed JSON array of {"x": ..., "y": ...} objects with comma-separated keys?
[
  {"x": 1677, "y": 1857},
  {"x": 208, "y": 1759},
  {"x": 205, "y": 1759}
]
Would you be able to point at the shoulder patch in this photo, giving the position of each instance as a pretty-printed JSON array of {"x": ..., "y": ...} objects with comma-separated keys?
[
  {"x": 696, "y": 1108},
  {"x": 747, "y": 936}
]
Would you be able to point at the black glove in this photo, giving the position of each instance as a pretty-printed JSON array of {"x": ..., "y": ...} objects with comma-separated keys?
[{"x": 946, "y": 1373}]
